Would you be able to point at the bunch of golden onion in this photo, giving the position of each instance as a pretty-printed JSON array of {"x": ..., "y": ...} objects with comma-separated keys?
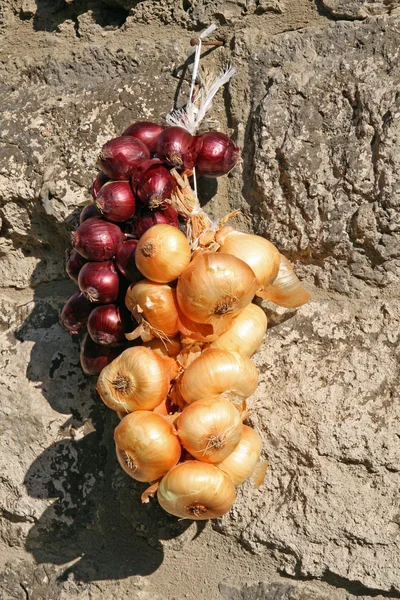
[{"x": 181, "y": 395}]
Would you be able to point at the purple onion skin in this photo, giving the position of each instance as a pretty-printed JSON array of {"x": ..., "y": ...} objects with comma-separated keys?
[
  {"x": 98, "y": 183},
  {"x": 97, "y": 240},
  {"x": 178, "y": 148},
  {"x": 217, "y": 156},
  {"x": 169, "y": 216},
  {"x": 155, "y": 186},
  {"x": 75, "y": 313},
  {"x": 89, "y": 212},
  {"x": 147, "y": 132},
  {"x": 95, "y": 357},
  {"x": 141, "y": 170},
  {"x": 120, "y": 156},
  {"x": 99, "y": 282},
  {"x": 105, "y": 325},
  {"x": 73, "y": 264},
  {"x": 116, "y": 201},
  {"x": 125, "y": 261}
]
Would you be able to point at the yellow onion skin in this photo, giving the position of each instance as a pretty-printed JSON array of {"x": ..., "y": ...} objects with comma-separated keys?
[
  {"x": 147, "y": 445},
  {"x": 196, "y": 490},
  {"x": 214, "y": 288},
  {"x": 240, "y": 464},
  {"x": 210, "y": 429},
  {"x": 156, "y": 303},
  {"x": 286, "y": 289},
  {"x": 171, "y": 347},
  {"x": 137, "y": 380},
  {"x": 257, "y": 252},
  {"x": 162, "y": 253},
  {"x": 246, "y": 332},
  {"x": 219, "y": 372}
]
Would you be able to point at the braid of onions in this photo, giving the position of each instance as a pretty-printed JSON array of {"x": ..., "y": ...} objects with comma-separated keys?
[{"x": 167, "y": 320}]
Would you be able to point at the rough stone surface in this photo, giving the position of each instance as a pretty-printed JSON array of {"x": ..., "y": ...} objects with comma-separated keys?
[
  {"x": 322, "y": 176},
  {"x": 359, "y": 9},
  {"x": 316, "y": 113}
]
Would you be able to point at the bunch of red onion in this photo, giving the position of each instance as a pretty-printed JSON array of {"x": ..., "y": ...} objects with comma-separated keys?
[{"x": 130, "y": 194}]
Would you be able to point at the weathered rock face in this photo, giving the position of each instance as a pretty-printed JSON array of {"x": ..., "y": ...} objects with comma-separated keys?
[
  {"x": 317, "y": 115},
  {"x": 359, "y": 9},
  {"x": 322, "y": 180}
]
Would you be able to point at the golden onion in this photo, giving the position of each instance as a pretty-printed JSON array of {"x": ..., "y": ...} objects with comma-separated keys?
[
  {"x": 246, "y": 332},
  {"x": 240, "y": 464},
  {"x": 162, "y": 253},
  {"x": 196, "y": 490},
  {"x": 286, "y": 289}
]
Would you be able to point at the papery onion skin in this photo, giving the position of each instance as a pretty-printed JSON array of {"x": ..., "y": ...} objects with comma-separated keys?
[
  {"x": 178, "y": 148},
  {"x": 97, "y": 240},
  {"x": 120, "y": 156},
  {"x": 147, "y": 132},
  {"x": 89, "y": 212},
  {"x": 141, "y": 170},
  {"x": 75, "y": 314},
  {"x": 99, "y": 281},
  {"x": 106, "y": 326},
  {"x": 125, "y": 260},
  {"x": 246, "y": 332},
  {"x": 94, "y": 357},
  {"x": 170, "y": 347},
  {"x": 196, "y": 490},
  {"x": 98, "y": 183},
  {"x": 156, "y": 303},
  {"x": 138, "y": 380},
  {"x": 215, "y": 287},
  {"x": 210, "y": 429},
  {"x": 73, "y": 264},
  {"x": 240, "y": 464},
  {"x": 162, "y": 253},
  {"x": 116, "y": 201},
  {"x": 261, "y": 256},
  {"x": 147, "y": 445},
  {"x": 217, "y": 156},
  {"x": 155, "y": 186},
  {"x": 167, "y": 216},
  {"x": 219, "y": 372},
  {"x": 286, "y": 289}
]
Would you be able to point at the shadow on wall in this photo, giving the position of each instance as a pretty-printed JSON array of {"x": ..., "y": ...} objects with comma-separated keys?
[
  {"x": 97, "y": 521},
  {"x": 49, "y": 14}
]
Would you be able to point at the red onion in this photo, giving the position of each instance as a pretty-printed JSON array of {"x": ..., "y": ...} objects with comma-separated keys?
[
  {"x": 73, "y": 264},
  {"x": 105, "y": 325},
  {"x": 97, "y": 240},
  {"x": 147, "y": 132},
  {"x": 95, "y": 357},
  {"x": 119, "y": 157},
  {"x": 169, "y": 216},
  {"x": 141, "y": 169},
  {"x": 116, "y": 201},
  {"x": 217, "y": 156},
  {"x": 75, "y": 313},
  {"x": 155, "y": 186},
  {"x": 98, "y": 281},
  {"x": 98, "y": 183},
  {"x": 89, "y": 212},
  {"x": 178, "y": 147},
  {"x": 125, "y": 261}
]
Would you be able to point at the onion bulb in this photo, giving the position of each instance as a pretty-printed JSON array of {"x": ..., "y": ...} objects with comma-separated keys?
[
  {"x": 153, "y": 305},
  {"x": 246, "y": 332},
  {"x": 94, "y": 357},
  {"x": 286, "y": 289},
  {"x": 178, "y": 148},
  {"x": 120, "y": 156},
  {"x": 210, "y": 429},
  {"x": 196, "y": 490},
  {"x": 137, "y": 380},
  {"x": 218, "y": 155},
  {"x": 97, "y": 240},
  {"x": 162, "y": 253},
  {"x": 214, "y": 288},
  {"x": 261, "y": 256},
  {"x": 147, "y": 445},
  {"x": 163, "y": 348},
  {"x": 219, "y": 372},
  {"x": 240, "y": 464}
]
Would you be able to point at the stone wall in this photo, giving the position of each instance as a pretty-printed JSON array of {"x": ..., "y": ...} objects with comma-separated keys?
[{"x": 315, "y": 109}]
